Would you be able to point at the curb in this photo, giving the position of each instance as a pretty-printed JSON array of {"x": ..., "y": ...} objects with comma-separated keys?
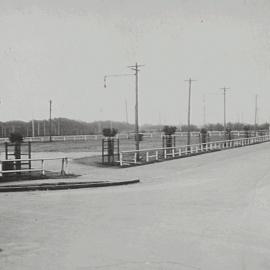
[{"x": 64, "y": 185}]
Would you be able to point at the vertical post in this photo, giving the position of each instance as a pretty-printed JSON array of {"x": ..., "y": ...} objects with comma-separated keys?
[
  {"x": 255, "y": 121},
  {"x": 126, "y": 111},
  {"x": 189, "y": 97},
  {"x": 189, "y": 100},
  {"x": 63, "y": 166},
  {"x": 44, "y": 128},
  {"x": 50, "y": 123},
  {"x": 29, "y": 155},
  {"x": 137, "y": 109},
  {"x": 58, "y": 127},
  {"x": 1, "y": 168},
  {"x": 33, "y": 128},
  {"x": 118, "y": 148},
  {"x": 42, "y": 167},
  {"x": 66, "y": 166},
  {"x": 224, "y": 116},
  {"x": 38, "y": 131},
  {"x": 224, "y": 113},
  {"x": 121, "y": 159},
  {"x": 6, "y": 150}
]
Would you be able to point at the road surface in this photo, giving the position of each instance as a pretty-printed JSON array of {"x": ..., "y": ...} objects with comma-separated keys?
[{"x": 206, "y": 212}]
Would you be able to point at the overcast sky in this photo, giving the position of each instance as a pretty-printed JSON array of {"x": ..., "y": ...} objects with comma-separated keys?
[{"x": 61, "y": 49}]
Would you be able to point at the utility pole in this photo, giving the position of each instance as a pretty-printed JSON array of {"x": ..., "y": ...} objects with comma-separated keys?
[
  {"x": 58, "y": 127},
  {"x": 137, "y": 139},
  {"x": 126, "y": 111},
  {"x": 50, "y": 121},
  {"x": 224, "y": 94},
  {"x": 44, "y": 128},
  {"x": 189, "y": 99},
  {"x": 204, "y": 111},
  {"x": 136, "y": 69},
  {"x": 256, "y": 113},
  {"x": 38, "y": 128},
  {"x": 33, "y": 128}
]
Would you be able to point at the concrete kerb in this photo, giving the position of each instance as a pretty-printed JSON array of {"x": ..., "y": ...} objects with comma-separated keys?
[{"x": 64, "y": 185}]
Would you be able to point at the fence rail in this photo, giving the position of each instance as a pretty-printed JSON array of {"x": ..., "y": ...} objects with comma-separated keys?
[
  {"x": 126, "y": 136},
  {"x": 144, "y": 156},
  {"x": 64, "y": 165}
]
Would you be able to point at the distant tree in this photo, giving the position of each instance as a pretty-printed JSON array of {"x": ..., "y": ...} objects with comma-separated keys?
[
  {"x": 214, "y": 127},
  {"x": 192, "y": 128}
]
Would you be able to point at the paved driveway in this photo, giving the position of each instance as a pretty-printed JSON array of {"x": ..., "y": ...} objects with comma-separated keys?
[{"x": 205, "y": 212}]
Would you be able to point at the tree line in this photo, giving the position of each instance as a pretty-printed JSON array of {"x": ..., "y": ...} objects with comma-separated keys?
[{"x": 64, "y": 126}]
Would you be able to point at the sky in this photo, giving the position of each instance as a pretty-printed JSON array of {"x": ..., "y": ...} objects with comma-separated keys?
[{"x": 61, "y": 50}]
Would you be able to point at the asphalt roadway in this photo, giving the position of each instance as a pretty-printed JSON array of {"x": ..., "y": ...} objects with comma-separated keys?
[{"x": 210, "y": 211}]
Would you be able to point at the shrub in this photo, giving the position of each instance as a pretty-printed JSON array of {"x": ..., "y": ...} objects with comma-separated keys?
[
  {"x": 169, "y": 130},
  {"x": 16, "y": 137},
  {"x": 109, "y": 132}
]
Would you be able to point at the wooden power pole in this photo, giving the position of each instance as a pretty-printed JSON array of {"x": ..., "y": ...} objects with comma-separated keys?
[
  {"x": 50, "y": 121},
  {"x": 256, "y": 114},
  {"x": 224, "y": 113},
  {"x": 189, "y": 108}
]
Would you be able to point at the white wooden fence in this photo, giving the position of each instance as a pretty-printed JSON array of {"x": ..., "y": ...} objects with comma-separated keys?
[
  {"x": 124, "y": 136},
  {"x": 42, "y": 168},
  {"x": 149, "y": 155}
]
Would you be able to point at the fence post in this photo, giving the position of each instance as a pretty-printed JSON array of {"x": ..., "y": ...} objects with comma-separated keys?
[
  {"x": 66, "y": 166},
  {"x": 147, "y": 156},
  {"x": 165, "y": 153},
  {"x": 157, "y": 155},
  {"x": 121, "y": 159},
  {"x": 1, "y": 168},
  {"x": 63, "y": 167},
  {"x": 173, "y": 154},
  {"x": 42, "y": 167}
]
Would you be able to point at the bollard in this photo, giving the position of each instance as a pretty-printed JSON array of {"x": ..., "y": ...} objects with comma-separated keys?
[
  {"x": 147, "y": 157},
  {"x": 121, "y": 159},
  {"x": 43, "y": 167}
]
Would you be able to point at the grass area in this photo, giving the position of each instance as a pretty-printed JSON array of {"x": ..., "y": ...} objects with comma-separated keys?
[
  {"x": 25, "y": 176},
  {"x": 95, "y": 145}
]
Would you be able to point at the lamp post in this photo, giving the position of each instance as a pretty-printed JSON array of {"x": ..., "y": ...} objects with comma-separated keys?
[{"x": 136, "y": 69}]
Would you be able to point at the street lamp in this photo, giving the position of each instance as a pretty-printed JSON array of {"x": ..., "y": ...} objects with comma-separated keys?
[{"x": 136, "y": 69}]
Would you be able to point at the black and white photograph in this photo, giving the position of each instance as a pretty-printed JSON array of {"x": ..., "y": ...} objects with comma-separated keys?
[{"x": 134, "y": 135}]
